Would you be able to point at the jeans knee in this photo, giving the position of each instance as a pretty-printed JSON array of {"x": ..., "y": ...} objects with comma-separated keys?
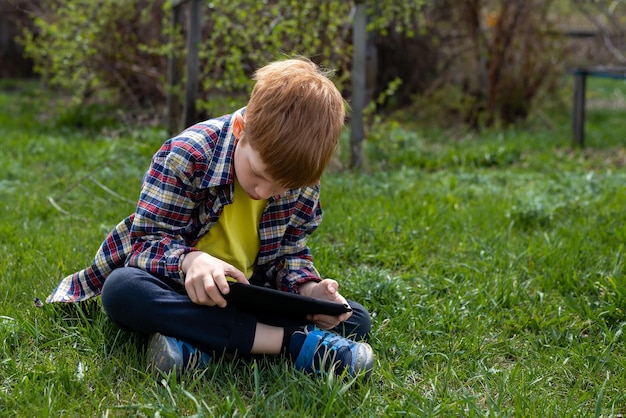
[
  {"x": 118, "y": 299},
  {"x": 363, "y": 320},
  {"x": 358, "y": 326}
]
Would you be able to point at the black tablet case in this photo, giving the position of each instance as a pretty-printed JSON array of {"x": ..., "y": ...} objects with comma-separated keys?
[{"x": 264, "y": 300}]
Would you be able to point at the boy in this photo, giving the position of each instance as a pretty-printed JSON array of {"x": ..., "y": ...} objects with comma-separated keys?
[{"x": 232, "y": 197}]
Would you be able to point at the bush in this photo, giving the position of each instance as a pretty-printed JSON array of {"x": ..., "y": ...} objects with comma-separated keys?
[
  {"x": 502, "y": 54},
  {"x": 86, "y": 47}
]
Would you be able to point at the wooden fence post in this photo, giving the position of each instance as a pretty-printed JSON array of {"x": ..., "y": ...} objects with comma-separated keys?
[
  {"x": 192, "y": 66},
  {"x": 578, "y": 108},
  {"x": 359, "y": 94},
  {"x": 193, "y": 62},
  {"x": 173, "y": 77}
]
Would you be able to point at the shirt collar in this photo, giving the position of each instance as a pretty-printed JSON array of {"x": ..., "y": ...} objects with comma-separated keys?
[{"x": 222, "y": 162}]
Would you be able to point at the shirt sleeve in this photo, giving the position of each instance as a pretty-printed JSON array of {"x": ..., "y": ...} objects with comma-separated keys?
[
  {"x": 164, "y": 221},
  {"x": 293, "y": 264},
  {"x": 299, "y": 267}
]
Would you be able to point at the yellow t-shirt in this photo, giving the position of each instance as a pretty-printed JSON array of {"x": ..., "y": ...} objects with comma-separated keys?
[{"x": 235, "y": 237}]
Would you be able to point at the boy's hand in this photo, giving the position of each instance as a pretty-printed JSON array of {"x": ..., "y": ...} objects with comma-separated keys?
[
  {"x": 326, "y": 289},
  {"x": 205, "y": 278}
]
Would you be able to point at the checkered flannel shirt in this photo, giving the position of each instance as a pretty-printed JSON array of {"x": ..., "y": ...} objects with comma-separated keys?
[{"x": 190, "y": 180}]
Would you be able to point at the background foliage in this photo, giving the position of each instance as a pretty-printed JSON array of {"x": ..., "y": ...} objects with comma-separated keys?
[
  {"x": 486, "y": 59},
  {"x": 123, "y": 44},
  {"x": 509, "y": 53},
  {"x": 609, "y": 18},
  {"x": 88, "y": 47}
]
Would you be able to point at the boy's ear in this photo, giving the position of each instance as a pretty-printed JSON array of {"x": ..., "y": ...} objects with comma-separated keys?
[{"x": 238, "y": 124}]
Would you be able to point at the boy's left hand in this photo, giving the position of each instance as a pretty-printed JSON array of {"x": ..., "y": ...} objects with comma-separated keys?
[{"x": 327, "y": 289}]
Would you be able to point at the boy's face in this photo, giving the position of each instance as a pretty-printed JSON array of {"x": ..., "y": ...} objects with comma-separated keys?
[{"x": 250, "y": 171}]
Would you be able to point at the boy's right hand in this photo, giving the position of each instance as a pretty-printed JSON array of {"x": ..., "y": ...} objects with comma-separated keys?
[{"x": 205, "y": 278}]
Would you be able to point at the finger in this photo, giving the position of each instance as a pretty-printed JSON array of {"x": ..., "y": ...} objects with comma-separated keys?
[
  {"x": 212, "y": 291},
  {"x": 216, "y": 297},
  {"x": 202, "y": 298},
  {"x": 326, "y": 321},
  {"x": 331, "y": 286},
  {"x": 344, "y": 316},
  {"x": 237, "y": 275},
  {"x": 201, "y": 295},
  {"x": 327, "y": 325},
  {"x": 195, "y": 291},
  {"x": 221, "y": 282},
  {"x": 191, "y": 292}
]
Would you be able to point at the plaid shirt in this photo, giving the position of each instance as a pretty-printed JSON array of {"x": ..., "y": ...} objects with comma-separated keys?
[{"x": 190, "y": 180}]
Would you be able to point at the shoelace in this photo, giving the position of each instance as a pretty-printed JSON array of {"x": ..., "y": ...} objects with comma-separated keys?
[{"x": 332, "y": 344}]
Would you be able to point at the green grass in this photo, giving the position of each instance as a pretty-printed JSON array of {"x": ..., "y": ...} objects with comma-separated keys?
[{"x": 492, "y": 264}]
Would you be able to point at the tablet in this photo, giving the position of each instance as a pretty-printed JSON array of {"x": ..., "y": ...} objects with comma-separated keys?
[{"x": 264, "y": 300}]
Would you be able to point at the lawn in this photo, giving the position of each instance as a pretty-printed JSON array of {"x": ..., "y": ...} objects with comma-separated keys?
[{"x": 492, "y": 264}]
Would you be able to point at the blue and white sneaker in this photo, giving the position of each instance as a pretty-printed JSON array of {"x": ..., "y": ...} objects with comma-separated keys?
[
  {"x": 167, "y": 354},
  {"x": 316, "y": 350}
]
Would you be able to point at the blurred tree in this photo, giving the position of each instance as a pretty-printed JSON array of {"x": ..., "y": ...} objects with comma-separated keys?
[{"x": 501, "y": 53}]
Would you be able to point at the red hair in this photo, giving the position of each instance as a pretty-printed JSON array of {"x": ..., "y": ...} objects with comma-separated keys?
[{"x": 294, "y": 120}]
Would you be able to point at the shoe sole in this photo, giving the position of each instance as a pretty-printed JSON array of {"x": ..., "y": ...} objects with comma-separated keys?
[{"x": 162, "y": 356}]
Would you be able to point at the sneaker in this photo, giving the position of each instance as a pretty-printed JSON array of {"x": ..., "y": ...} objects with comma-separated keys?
[
  {"x": 316, "y": 350},
  {"x": 166, "y": 354}
]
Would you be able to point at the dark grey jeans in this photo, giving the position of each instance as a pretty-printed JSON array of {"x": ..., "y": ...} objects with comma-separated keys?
[{"x": 138, "y": 301}]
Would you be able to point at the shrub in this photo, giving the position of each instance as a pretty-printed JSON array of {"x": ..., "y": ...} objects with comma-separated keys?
[
  {"x": 504, "y": 53},
  {"x": 86, "y": 47}
]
